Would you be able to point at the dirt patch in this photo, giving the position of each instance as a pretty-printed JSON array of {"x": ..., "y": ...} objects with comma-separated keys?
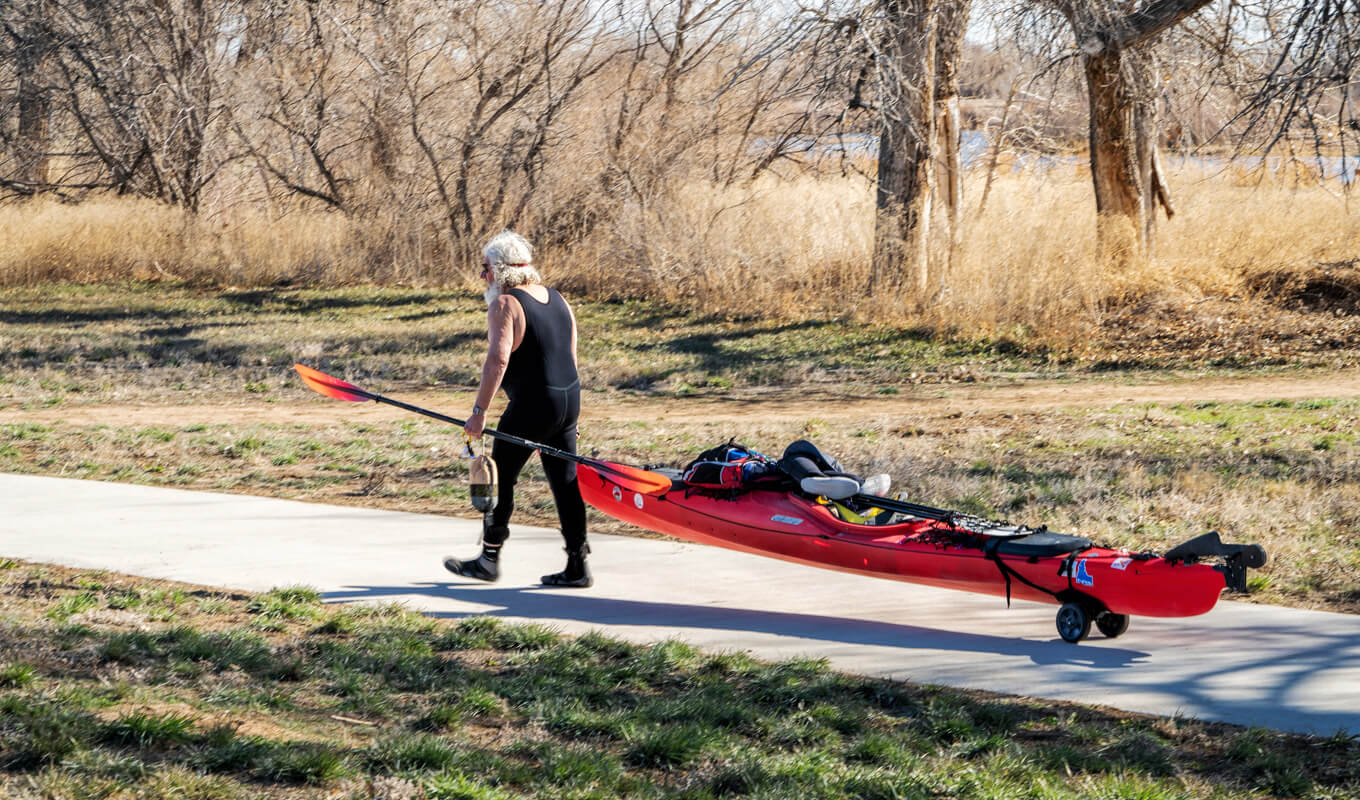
[
  {"x": 1227, "y": 332},
  {"x": 925, "y": 401},
  {"x": 1322, "y": 287}
]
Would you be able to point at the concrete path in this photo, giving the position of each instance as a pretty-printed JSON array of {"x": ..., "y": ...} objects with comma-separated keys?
[{"x": 1253, "y": 665}]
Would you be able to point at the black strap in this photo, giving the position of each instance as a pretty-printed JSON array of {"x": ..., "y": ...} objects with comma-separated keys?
[{"x": 991, "y": 550}]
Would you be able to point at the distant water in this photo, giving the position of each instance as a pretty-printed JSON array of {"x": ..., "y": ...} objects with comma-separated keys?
[
  {"x": 974, "y": 146},
  {"x": 1331, "y": 167}
]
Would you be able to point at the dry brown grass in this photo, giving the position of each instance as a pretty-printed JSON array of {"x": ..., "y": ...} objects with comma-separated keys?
[
  {"x": 114, "y": 239},
  {"x": 779, "y": 248}
]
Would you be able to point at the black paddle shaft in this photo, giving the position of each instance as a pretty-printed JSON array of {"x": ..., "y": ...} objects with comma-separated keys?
[
  {"x": 492, "y": 432},
  {"x": 889, "y": 504}
]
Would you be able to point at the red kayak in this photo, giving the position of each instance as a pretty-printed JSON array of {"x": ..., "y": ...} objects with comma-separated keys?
[{"x": 1092, "y": 584}]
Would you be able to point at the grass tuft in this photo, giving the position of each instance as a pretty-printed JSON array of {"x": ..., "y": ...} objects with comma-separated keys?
[
  {"x": 667, "y": 746},
  {"x": 304, "y": 762},
  {"x": 72, "y": 604},
  {"x": 17, "y": 676},
  {"x": 150, "y": 730},
  {"x": 407, "y": 752},
  {"x": 458, "y": 786},
  {"x": 292, "y": 603}
]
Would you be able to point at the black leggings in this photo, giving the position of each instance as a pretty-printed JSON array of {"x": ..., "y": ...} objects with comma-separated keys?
[{"x": 561, "y": 473}]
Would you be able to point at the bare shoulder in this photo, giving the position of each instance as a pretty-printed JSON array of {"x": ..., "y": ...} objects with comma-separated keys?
[{"x": 503, "y": 307}]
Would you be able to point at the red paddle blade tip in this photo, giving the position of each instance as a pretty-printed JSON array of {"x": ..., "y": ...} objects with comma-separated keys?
[{"x": 321, "y": 383}]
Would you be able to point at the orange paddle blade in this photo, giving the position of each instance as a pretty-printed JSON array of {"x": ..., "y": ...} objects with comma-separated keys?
[{"x": 321, "y": 383}]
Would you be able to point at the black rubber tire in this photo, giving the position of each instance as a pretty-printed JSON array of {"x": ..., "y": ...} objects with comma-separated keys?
[
  {"x": 1254, "y": 556},
  {"x": 1074, "y": 622},
  {"x": 1112, "y": 625}
]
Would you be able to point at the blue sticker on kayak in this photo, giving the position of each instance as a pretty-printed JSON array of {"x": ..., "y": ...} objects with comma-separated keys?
[
  {"x": 786, "y": 520},
  {"x": 1083, "y": 578}
]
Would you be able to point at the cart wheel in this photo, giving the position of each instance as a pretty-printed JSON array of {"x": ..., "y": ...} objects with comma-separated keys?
[
  {"x": 1254, "y": 556},
  {"x": 1111, "y": 624},
  {"x": 1074, "y": 623}
]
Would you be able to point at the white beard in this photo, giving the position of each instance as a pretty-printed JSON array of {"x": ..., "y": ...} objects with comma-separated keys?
[{"x": 492, "y": 292}]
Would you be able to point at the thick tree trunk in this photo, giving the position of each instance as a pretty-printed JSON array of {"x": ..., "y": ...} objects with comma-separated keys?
[
  {"x": 32, "y": 101},
  {"x": 384, "y": 117},
  {"x": 906, "y": 138},
  {"x": 953, "y": 21},
  {"x": 1124, "y": 163},
  {"x": 948, "y": 164},
  {"x": 197, "y": 32},
  {"x": 1121, "y": 81}
]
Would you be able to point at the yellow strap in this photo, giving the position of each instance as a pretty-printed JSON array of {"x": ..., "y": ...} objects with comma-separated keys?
[{"x": 850, "y": 515}]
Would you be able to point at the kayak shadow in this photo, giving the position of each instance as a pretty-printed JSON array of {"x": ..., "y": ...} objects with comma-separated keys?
[{"x": 660, "y": 618}]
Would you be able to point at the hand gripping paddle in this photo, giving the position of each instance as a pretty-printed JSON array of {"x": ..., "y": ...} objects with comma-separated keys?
[{"x": 634, "y": 479}]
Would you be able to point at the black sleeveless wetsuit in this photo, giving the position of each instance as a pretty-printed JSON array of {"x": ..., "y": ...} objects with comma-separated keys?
[{"x": 545, "y": 402}]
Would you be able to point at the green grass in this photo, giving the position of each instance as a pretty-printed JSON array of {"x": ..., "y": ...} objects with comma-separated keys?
[
  {"x": 67, "y": 338},
  {"x": 149, "y": 730},
  {"x": 16, "y": 675},
  {"x": 292, "y": 603},
  {"x": 480, "y": 708},
  {"x": 71, "y": 605}
]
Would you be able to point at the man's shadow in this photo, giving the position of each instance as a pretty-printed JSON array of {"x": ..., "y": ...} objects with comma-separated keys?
[{"x": 554, "y": 604}]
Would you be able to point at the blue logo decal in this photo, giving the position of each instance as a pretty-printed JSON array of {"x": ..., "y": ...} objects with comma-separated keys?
[{"x": 1083, "y": 577}]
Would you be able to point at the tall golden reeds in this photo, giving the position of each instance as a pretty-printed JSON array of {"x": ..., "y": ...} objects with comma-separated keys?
[{"x": 778, "y": 248}]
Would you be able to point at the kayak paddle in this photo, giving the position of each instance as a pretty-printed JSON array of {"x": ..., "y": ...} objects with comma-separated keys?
[{"x": 634, "y": 479}]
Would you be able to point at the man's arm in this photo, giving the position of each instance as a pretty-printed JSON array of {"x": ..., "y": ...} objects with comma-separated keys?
[{"x": 500, "y": 326}]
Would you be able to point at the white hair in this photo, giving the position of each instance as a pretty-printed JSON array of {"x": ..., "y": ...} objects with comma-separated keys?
[{"x": 511, "y": 259}]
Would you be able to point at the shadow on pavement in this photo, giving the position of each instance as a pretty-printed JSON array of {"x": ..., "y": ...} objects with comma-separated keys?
[{"x": 547, "y": 605}]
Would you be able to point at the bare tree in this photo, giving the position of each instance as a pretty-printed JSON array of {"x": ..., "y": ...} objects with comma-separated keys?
[
  {"x": 1309, "y": 83},
  {"x": 888, "y": 68},
  {"x": 511, "y": 89},
  {"x": 301, "y": 127},
  {"x": 120, "y": 93},
  {"x": 1114, "y": 40},
  {"x": 666, "y": 106},
  {"x": 31, "y": 43}
]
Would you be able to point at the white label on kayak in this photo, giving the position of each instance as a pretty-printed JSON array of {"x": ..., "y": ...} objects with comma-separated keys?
[
  {"x": 787, "y": 520},
  {"x": 1121, "y": 564},
  {"x": 637, "y": 499},
  {"x": 618, "y": 495}
]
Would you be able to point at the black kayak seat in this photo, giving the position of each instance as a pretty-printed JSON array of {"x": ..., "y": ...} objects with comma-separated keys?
[{"x": 1037, "y": 545}]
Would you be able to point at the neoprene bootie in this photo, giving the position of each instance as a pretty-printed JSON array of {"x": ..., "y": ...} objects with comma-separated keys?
[
  {"x": 485, "y": 567},
  {"x": 577, "y": 573}
]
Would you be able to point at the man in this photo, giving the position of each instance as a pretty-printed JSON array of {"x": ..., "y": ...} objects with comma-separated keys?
[{"x": 531, "y": 353}]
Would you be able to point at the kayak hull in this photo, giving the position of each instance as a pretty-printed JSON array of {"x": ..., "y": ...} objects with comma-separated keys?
[{"x": 928, "y": 552}]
